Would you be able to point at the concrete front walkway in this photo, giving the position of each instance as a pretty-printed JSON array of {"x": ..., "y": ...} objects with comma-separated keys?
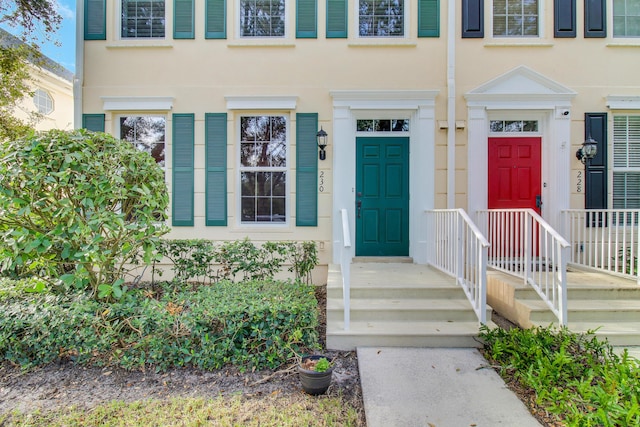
[{"x": 436, "y": 387}]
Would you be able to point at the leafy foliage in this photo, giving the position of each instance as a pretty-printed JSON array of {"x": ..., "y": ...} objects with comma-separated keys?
[
  {"x": 250, "y": 324},
  {"x": 78, "y": 206},
  {"x": 574, "y": 376},
  {"x": 14, "y": 85},
  {"x": 32, "y": 16},
  {"x": 209, "y": 262}
]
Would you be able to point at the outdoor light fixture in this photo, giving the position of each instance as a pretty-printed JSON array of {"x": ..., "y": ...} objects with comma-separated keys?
[
  {"x": 588, "y": 150},
  {"x": 322, "y": 143}
]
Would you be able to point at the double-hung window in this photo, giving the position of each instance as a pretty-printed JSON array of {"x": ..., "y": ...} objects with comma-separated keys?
[
  {"x": 262, "y": 18},
  {"x": 626, "y": 18},
  {"x": 626, "y": 162},
  {"x": 516, "y": 18},
  {"x": 263, "y": 169},
  {"x": 147, "y": 133},
  {"x": 142, "y": 18},
  {"x": 381, "y": 18}
]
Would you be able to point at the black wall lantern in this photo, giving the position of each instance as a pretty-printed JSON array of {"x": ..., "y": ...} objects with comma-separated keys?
[
  {"x": 588, "y": 150},
  {"x": 322, "y": 143}
]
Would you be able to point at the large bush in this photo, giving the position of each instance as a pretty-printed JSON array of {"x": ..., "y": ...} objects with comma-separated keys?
[{"x": 78, "y": 206}]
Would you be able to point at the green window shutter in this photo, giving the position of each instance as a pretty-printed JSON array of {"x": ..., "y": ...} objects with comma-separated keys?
[
  {"x": 95, "y": 19},
  {"x": 429, "y": 18},
  {"x": 183, "y": 19},
  {"x": 337, "y": 19},
  {"x": 182, "y": 182},
  {"x": 472, "y": 19},
  {"x": 216, "y": 168},
  {"x": 94, "y": 122},
  {"x": 595, "y": 18},
  {"x": 564, "y": 14},
  {"x": 306, "y": 19},
  {"x": 595, "y": 125},
  {"x": 306, "y": 170},
  {"x": 216, "y": 19}
]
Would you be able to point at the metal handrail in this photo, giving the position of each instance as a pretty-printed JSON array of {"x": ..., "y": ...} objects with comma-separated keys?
[
  {"x": 345, "y": 267},
  {"x": 525, "y": 245},
  {"x": 459, "y": 249}
]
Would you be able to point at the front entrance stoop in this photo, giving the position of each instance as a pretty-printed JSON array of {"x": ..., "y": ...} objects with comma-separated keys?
[
  {"x": 399, "y": 305},
  {"x": 600, "y": 302}
]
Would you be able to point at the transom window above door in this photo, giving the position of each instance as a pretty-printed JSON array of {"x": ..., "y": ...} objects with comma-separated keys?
[
  {"x": 382, "y": 125},
  {"x": 516, "y": 18},
  {"x": 142, "y": 18},
  {"x": 381, "y": 18},
  {"x": 262, "y": 18},
  {"x": 511, "y": 126}
]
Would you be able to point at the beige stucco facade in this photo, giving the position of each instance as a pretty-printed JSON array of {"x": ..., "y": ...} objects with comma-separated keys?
[{"x": 450, "y": 88}]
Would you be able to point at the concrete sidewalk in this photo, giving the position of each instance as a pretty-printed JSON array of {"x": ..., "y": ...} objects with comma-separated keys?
[{"x": 436, "y": 387}]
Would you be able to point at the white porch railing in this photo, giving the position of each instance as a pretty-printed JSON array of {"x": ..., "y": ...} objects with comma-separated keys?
[
  {"x": 525, "y": 245},
  {"x": 604, "y": 239},
  {"x": 345, "y": 268},
  {"x": 458, "y": 248}
]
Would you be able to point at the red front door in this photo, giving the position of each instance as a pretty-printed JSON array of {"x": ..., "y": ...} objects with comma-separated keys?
[{"x": 514, "y": 173}]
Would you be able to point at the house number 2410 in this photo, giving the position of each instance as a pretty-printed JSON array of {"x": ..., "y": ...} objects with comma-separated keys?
[{"x": 321, "y": 182}]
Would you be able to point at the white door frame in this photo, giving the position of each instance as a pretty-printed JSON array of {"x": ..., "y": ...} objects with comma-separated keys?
[{"x": 419, "y": 108}]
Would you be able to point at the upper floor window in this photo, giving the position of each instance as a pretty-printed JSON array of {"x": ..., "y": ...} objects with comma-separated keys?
[
  {"x": 626, "y": 162},
  {"x": 263, "y": 169},
  {"x": 515, "y": 18},
  {"x": 147, "y": 133},
  {"x": 262, "y": 18},
  {"x": 626, "y": 18},
  {"x": 143, "y": 19},
  {"x": 382, "y": 125},
  {"x": 43, "y": 101},
  {"x": 381, "y": 18}
]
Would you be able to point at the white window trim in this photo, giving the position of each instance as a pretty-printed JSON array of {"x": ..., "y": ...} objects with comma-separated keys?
[
  {"x": 287, "y": 169},
  {"x": 49, "y": 97},
  {"x": 631, "y": 111},
  {"x": 276, "y": 40},
  {"x": 117, "y": 118},
  {"x": 519, "y": 40},
  {"x": 137, "y": 103},
  {"x": 377, "y": 39},
  {"x": 168, "y": 25},
  {"x": 621, "y": 40}
]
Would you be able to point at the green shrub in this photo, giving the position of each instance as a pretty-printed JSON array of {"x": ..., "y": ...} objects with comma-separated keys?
[
  {"x": 78, "y": 206},
  {"x": 249, "y": 324},
  {"x": 208, "y": 262},
  {"x": 574, "y": 376}
]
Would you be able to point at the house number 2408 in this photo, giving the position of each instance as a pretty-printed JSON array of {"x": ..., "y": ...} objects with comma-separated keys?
[{"x": 321, "y": 182}]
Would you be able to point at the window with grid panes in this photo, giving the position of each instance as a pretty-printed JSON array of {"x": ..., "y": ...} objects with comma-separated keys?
[
  {"x": 143, "y": 18},
  {"x": 263, "y": 169},
  {"x": 626, "y": 18},
  {"x": 516, "y": 18},
  {"x": 381, "y": 18},
  {"x": 262, "y": 18},
  {"x": 626, "y": 162}
]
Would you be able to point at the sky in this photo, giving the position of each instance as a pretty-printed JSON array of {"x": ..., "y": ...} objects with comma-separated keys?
[{"x": 65, "y": 54}]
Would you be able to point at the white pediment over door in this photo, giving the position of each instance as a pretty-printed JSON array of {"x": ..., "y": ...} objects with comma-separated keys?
[{"x": 522, "y": 85}]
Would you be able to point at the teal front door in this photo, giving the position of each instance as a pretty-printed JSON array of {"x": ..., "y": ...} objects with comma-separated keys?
[{"x": 382, "y": 196}]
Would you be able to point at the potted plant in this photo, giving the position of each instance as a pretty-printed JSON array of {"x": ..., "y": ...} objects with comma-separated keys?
[{"x": 315, "y": 374}]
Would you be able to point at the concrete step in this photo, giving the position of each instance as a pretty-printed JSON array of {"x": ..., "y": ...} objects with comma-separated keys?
[
  {"x": 395, "y": 291},
  {"x": 603, "y": 311},
  {"x": 404, "y": 334},
  {"x": 623, "y": 334},
  {"x": 588, "y": 292},
  {"x": 402, "y": 309}
]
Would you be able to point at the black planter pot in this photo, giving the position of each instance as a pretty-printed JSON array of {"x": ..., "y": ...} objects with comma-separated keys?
[{"x": 314, "y": 383}]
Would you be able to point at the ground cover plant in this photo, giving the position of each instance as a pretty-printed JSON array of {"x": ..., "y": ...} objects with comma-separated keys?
[{"x": 576, "y": 378}]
